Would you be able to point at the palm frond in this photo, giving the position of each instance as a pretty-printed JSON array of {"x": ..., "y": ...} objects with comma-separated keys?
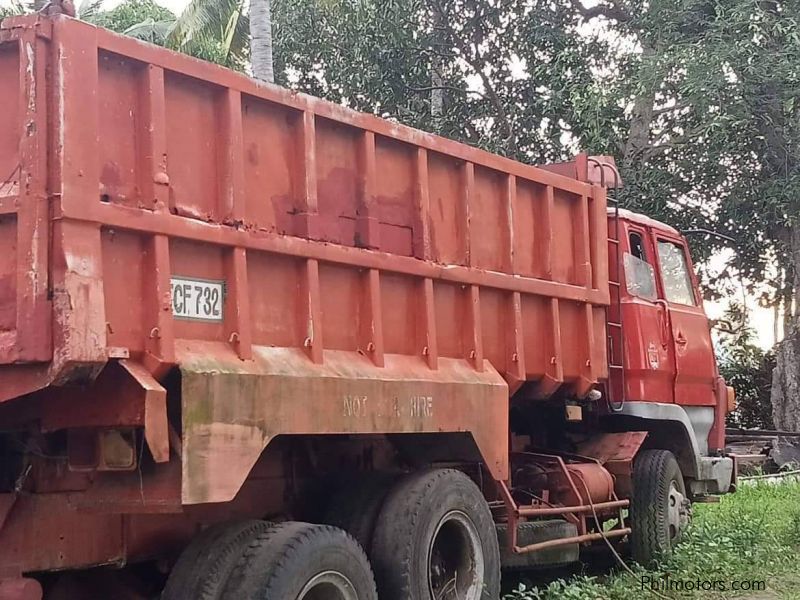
[
  {"x": 15, "y": 8},
  {"x": 212, "y": 27},
  {"x": 204, "y": 20},
  {"x": 88, "y": 10},
  {"x": 150, "y": 30}
]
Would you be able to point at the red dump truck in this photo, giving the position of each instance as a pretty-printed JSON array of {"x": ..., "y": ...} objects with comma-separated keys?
[{"x": 257, "y": 345}]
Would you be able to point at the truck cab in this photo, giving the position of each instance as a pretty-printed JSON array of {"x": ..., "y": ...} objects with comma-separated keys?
[{"x": 663, "y": 372}]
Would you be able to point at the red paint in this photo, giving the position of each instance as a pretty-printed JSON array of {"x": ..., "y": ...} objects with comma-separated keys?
[
  {"x": 378, "y": 280},
  {"x": 668, "y": 349}
]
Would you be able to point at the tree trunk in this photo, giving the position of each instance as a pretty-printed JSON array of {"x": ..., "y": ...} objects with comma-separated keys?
[
  {"x": 786, "y": 376},
  {"x": 641, "y": 115},
  {"x": 437, "y": 68},
  {"x": 786, "y": 383},
  {"x": 261, "y": 40}
]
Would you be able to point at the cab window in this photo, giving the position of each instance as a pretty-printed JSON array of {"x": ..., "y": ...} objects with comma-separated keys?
[
  {"x": 640, "y": 278},
  {"x": 637, "y": 245},
  {"x": 675, "y": 273}
]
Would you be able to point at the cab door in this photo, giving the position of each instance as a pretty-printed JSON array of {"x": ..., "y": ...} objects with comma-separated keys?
[
  {"x": 649, "y": 368},
  {"x": 690, "y": 334}
]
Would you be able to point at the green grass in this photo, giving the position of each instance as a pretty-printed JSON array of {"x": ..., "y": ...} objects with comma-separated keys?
[{"x": 751, "y": 535}]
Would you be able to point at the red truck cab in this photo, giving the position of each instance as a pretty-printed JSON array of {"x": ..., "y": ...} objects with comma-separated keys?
[{"x": 660, "y": 333}]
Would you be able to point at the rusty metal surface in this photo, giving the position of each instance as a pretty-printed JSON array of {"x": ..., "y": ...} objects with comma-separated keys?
[
  {"x": 20, "y": 589},
  {"x": 597, "y": 170},
  {"x": 611, "y": 448},
  {"x": 282, "y": 392},
  {"x": 44, "y": 530},
  {"x": 358, "y": 258},
  {"x": 24, "y": 304},
  {"x": 225, "y": 172}
]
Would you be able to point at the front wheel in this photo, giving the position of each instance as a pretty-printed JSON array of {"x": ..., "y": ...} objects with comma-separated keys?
[{"x": 660, "y": 508}]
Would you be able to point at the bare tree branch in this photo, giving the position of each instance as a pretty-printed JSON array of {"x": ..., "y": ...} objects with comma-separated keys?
[
  {"x": 449, "y": 88},
  {"x": 668, "y": 109},
  {"x": 468, "y": 50}
]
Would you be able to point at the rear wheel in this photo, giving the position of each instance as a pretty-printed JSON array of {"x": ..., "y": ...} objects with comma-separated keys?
[
  {"x": 300, "y": 561},
  {"x": 355, "y": 507},
  {"x": 435, "y": 540},
  {"x": 204, "y": 566},
  {"x": 660, "y": 508}
]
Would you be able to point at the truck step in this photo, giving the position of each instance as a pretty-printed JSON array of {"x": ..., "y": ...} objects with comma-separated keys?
[{"x": 533, "y": 532}]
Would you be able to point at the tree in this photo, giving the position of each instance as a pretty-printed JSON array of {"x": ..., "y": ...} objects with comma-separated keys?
[
  {"x": 214, "y": 30},
  {"x": 747, "y": 368},
  {"x": 13, "y": 9},
  {"x": 223, "y": 32},
  {"x": 142, "y": 19},
  {"x": 507, "y": 76},
  {"x": 261, "y": 40}
]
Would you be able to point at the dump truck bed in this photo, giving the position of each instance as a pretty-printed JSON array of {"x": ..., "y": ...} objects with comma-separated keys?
[{"x": 354, "y": 274}]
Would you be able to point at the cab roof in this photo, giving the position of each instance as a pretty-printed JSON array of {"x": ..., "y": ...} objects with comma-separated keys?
[{"x": 643, "y": 220}]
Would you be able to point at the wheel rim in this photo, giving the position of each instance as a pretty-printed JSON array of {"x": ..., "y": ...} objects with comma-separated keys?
[
  {"x": 330, "y": 585},
  {"x": 677, "y": 513},
  {"x": 455, "y": 559}
]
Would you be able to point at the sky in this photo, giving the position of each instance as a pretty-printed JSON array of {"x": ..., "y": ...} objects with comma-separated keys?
[
  {"x": 761, "y": 319},
  {"x": 176, "y": 6}
]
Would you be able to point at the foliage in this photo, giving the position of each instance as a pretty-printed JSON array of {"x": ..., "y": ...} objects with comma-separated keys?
[
  {"x": 16, "y": 7},
  {"x": 691, "y": 95},
  {"x": 747, "y": 368},
  {"x": 751, "y": 535},
  {"x": 514, "y": 80},
  {"x": 143, "y": 19},
  {"x": 214, "y": 30}
]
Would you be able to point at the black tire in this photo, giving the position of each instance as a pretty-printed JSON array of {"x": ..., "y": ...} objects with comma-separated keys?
[
  {"x": 355, "y": 507},
  {"x": 204, "y": 566},
  {"x": 657, "y": 483},
  {"x": 427, "y": 537},
  {"x": 280, "y": 562}
]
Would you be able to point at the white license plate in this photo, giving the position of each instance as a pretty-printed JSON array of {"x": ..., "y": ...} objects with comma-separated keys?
[{"x": 197, "y": 299}]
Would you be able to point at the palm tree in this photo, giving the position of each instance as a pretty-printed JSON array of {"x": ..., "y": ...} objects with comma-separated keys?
[
  {"x": 220, "y": 30},
  {"x": 261, "y": 40}
]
